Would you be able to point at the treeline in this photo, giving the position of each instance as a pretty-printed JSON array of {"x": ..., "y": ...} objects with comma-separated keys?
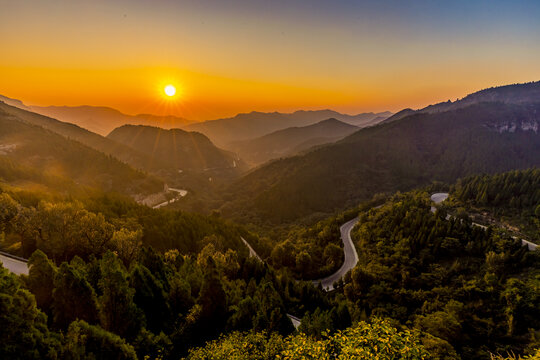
[
  {"x": 473, "y": 291},
  {"x": 517, "y": 190}
]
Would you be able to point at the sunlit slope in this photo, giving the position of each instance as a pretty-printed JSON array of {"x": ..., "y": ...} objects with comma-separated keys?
[
  {"x": 30, "y": 153},
  {"x": 415, "y": 150},
  {"x": 124, "y": 153}
]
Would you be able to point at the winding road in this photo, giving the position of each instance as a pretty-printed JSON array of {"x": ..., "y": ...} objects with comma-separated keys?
[
  {"x": 181, "y": 193},
  {"x": 351, "y": 257}
]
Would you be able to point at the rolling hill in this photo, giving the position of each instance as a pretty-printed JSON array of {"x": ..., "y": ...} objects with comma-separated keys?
[
  {"x": 255, "y": 124},
  {"x": 483, "y": 137},
  {"x": 175, "y": 147},
  {"x": 292, "y": 140}
]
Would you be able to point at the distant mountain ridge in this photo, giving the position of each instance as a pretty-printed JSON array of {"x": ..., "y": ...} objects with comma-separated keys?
[
  {"x": 507, "y": 94},
  {"x": 103, "y": 120},
  {"x": 292, "y": 140},
  {"x": 140, "y": 158},
  {"x": 255, "y": 124},
  {"x": 13, "y": 102}
]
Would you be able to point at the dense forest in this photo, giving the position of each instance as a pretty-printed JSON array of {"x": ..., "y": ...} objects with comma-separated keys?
[
  {"x": 157, "y": 305},
  {"x": 511, "y": 198},
  {"x": 64, "y": 227},
  {"x": 96, "y": 287},
  {"x": 159, "y": 283},
  {"x": 309, "y": 251},
  {"x": 464, "y": 292},
  {"x": 474, "y": 289}
]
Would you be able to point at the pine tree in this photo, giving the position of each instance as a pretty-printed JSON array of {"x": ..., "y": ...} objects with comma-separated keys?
[{"x": 119, "y": 314}]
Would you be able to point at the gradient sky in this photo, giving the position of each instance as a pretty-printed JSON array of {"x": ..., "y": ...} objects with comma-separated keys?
[{"x": 241, "y": 55}]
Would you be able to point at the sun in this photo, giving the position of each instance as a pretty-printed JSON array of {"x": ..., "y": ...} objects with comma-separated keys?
[{"x": 170, "y": 90}]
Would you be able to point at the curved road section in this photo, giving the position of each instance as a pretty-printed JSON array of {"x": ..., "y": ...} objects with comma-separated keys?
[
  {"x": 351, "y": 257},
  {"x": 252, "y": 252}
]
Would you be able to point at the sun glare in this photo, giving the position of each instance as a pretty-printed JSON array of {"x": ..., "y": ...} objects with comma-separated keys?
[{"x": 170, "y": 90}]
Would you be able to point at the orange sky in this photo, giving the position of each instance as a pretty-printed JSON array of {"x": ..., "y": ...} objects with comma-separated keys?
[{"x": 256, "y": 55}]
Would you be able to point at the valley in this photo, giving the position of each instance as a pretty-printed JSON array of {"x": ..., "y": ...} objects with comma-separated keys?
[{"x": 372, "y": 221}]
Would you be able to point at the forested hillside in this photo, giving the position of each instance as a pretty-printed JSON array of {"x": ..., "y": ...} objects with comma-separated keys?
[
  {"x": 137, "y": 159},
  {"x": 290, "y": 141},
  {"x": 177, "y": 148},
  {"x": 465, "y": 292},
  {"x": 196, "y": 182},
  {"x": 412, "y": 151},
  {"x": 447, "y": 289},
  {"x": 64, "y": 227},
  {"x": 475, "y": 289},
  {"x": 507, "y": 94},
  {"x": 309, "y": 252},
  {"x": 32, "y": 155},
  {"x": 157, "y": 306}
]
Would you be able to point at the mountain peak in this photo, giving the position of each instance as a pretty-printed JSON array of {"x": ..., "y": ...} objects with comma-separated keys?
[{"x": 331, "y": 121}]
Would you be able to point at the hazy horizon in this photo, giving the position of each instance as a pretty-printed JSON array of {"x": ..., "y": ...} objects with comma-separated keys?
[
  {"x": 243, "y": 56},
  {"x": 294, "y": 110}
]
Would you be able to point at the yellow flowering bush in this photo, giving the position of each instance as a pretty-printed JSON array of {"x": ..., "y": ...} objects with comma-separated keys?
[{"x": 378, "y": 340}]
